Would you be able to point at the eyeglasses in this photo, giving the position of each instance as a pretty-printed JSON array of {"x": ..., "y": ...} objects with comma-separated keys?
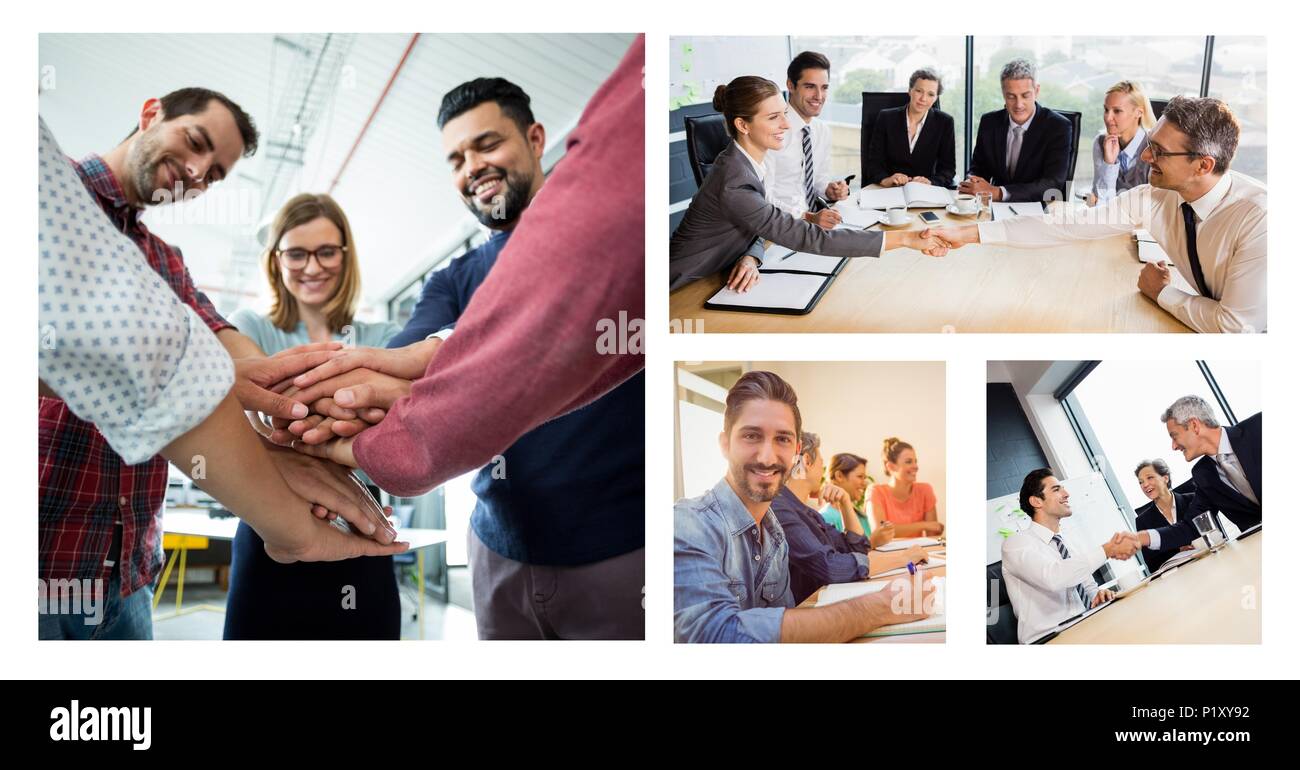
[
  {"x": 1158, "y": 154},
  {"x": 326, "y": 256}
]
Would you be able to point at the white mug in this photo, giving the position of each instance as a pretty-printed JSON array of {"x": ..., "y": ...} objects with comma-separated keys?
[
  {"x": 897, "y": 216},
  {"x": 967, "y": 204}
]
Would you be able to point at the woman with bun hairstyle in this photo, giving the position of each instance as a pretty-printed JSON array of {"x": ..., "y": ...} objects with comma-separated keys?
[
  {"x": 732, "y": 214},
  {"x": 910, "y": 504}
]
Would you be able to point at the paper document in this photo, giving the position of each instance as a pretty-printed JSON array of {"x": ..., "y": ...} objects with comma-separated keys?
[
  {"x": 934, "y": 563},
  {"x": 907, "y": 542},
  {"x": 781, "y": 258},
  {"x": 787, "y": 291},
  {"x": 838, "y": 592},
  {"x": 1003, "y": 211}
]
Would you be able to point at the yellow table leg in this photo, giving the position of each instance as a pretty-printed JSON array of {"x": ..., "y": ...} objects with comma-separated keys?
[
  {"x": 180, "y": 578},
  {"x": 167, "y": 572},
  {"x": 419, "y": 581}
]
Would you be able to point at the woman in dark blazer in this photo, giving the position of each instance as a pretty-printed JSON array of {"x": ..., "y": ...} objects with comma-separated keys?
[
  {"x": 732, "y": 213},
  {"x": 1166, "y": 507},
  {"x": 913, "y": 143}
]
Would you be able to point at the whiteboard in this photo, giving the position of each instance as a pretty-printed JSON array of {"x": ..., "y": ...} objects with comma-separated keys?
[
  {"x": 698, "y": 64},
  {"x": 1096, "y": 516}
]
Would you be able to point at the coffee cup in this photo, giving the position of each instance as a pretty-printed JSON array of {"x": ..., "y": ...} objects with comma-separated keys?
[
  {"x": 967, "y": 204},
  {"x": 896, "y": 216}
]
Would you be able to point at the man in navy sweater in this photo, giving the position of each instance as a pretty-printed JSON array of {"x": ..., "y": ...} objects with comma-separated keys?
[{"x": 556, "y": 547}]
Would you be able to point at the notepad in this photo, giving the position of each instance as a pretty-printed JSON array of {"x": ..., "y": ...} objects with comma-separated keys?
[
  {"x": 854, "y": 218},
  {"x": 909, "y": 196},
  {"x": 933, "y": 563},
  {"x": 774, "y": 292},
  {"x": 1148, "y": 249},
  {"x": 908, "y": 542},
  {"x": 838, "y": 592},
  {"x": 781, "y": 258},
  {"x": 936, "y": 622},
  {"x": 1003, "y": 211}
]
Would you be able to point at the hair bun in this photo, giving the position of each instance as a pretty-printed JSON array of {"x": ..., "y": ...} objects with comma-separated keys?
[
  {"x": 889, "y": 442},
  {"x": 720, "y": 97}
]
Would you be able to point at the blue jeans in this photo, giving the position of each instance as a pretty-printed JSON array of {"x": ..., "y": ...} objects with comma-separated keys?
[{"x": 110, "y": 616}]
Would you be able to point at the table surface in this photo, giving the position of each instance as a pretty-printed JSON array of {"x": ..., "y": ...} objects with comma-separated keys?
[
  {"x": 1201, "y": 602},
  {"x": 933, "y": 637},
  {"x": 1089, "y": 286},
  {"x": 195, "y": 521}
]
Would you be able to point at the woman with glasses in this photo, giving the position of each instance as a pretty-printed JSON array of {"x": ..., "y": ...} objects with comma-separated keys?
[{"x": 311, "y": 264}]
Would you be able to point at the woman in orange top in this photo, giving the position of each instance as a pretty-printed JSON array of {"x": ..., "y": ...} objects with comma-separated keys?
[{"x": 908, "y": 503}]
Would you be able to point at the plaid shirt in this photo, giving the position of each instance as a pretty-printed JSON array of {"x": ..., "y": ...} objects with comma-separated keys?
[{"x": 86, "y": 488}]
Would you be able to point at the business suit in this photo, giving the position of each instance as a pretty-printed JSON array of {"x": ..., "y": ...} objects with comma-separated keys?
[
  {"x": 1044, "y": 158},
  {"x": 1150, "y": 517},
  {"x": 935, "y": 154},
  {"x": 729, "y": 217},
  {"x": 1212, "y": 494}
]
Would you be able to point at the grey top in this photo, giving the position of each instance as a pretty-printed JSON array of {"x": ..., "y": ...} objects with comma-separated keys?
[
  {"x": 730, "y": 216},
  {"x": 1110, "y": 179}
]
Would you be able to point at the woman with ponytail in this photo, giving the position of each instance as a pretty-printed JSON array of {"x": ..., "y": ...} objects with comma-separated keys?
[{"x": 910, "y": 504}]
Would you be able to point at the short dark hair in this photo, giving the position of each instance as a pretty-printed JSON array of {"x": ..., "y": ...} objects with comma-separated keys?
[
  {"x": 1033, "y": 487},
  {"x": 512, "y": 100},
  {"x": 1210, "y": 126},
  {"x": 808, "y": 60},
  {"x": 191, "y": 101},
  {"x": 765, "y": 386}
]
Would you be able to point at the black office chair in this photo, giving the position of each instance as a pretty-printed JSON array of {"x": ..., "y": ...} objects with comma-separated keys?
[
  {"x": 1158, "y": 107},
  {"x": 872, "y": 103},
  {"x": 706, "y": 136},
  {"x": 1076, "y": 123},
  {"x": 1003, "y": 629}
]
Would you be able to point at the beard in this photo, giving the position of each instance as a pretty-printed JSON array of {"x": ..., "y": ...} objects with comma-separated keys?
[
  {"x": 143, "y": 160},
  {"x": 506, "y": 207},
  {"x": 755, "y": 494}
]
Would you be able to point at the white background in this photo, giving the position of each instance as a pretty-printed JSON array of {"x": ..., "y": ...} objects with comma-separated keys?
[{"x": 965, "y": 655}]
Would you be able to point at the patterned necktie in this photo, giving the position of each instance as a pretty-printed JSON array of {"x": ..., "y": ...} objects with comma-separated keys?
[
  {"x": 1013, "y": 152},
  {"x": 1189, "y": 222},
  {"x": 1124, "y": 162},
  {"x": 1065, "y": 554},
  {"x": 809, "y": 193}
]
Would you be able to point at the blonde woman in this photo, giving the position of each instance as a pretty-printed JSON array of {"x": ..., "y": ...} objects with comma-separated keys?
[
  {"x": 311, "y": 263},
  {"x": 1117, "y": 153},
  {"x": 910, "y": 504}
]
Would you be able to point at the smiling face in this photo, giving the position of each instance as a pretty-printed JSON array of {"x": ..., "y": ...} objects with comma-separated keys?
[
  {"x": 1193, "y": 440},
  {"x": 1019, "y": 97},
  {"x": 760, "y": 449},
  {"x": 923, "y": 95},
  {"x": 1055, "y": 500},
  {"x": 495, "y": 166},
  {"x": 1120, "y": 115},
  {"x": 904, "y": 469},
  {"x": 811, "y": 93},
  {"x": 1173, "y": 173},
  {"x": 312, "y": 284},
  {"x": 1153, "y": 484},
  {"x": 855, "y": 482},
  {"x": 768, "y": 126},
  {"x": 192, "y": 151}
]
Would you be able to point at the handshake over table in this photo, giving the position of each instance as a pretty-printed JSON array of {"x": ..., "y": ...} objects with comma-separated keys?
[
  {"x": 937, "y": 241},
  {"x": 1123, "y": 545}
]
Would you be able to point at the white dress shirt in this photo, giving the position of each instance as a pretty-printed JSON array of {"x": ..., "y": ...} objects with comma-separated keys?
[
  {"x": 1043, "y": 587},
  {"x": 1231, "y": 241},
  {"x": 787, "y": 163},
  {"x": 1011, "y": 136},
  {"x": 1230, "y": 473},
  {"x": 117, "y": 344},
  {"x": 763, "y": 170},
  {"x": 911, "y": 141}
]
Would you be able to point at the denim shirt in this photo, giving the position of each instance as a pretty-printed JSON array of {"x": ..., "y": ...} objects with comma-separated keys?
[{"x": 727, "y": 587}]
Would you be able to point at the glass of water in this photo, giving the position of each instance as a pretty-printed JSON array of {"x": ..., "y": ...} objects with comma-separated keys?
[{"x": 986, "y": 204}]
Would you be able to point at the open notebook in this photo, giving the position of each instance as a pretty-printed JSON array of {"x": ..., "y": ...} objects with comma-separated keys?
[
  {"x": 913, "y": 195},
  {"x": 791, "y": 283},
  {"x": 1003, "y": 211},
  {"x": 838, "y": 592}
]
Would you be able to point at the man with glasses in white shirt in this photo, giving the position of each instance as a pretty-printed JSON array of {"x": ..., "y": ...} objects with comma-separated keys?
[
  {"x": 1047, "y": 580},
  {"x": 1211, "y": 222}
]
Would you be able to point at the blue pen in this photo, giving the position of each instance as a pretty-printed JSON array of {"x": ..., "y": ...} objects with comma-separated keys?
[{"x": 911, "y": 568}]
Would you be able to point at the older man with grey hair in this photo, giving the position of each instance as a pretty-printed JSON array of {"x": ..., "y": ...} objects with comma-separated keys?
[
  {"x": 1212, "y": 223},
  {"x": 1022, "y": 152},
  {"x": 1227, "y": 475}
]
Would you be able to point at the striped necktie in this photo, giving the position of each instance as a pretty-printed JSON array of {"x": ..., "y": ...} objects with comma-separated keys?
[
  {"x": 1065, "y": 554},
  {"x": 809, "y": 193}
]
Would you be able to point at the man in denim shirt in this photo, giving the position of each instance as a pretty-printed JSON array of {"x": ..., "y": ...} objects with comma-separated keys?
[{"x": 731, "y": 560}]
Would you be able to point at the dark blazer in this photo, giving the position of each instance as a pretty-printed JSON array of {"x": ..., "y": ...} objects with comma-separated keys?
[
  {"x": 1149, "y": 517},
  {"x": 730, "y": 217},
  {"x": 1044, "y": 154},
  {"x": 934, "y": 158},
  {"x": 1214, "y": 495}
]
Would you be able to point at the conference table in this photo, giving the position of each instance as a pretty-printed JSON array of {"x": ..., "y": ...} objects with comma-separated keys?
[
  {"x": 1087, "y": 286},
  {"x": 929, "y": 637},
  {"x": 1214, "y": 599},
  {"x": 191, "y": 527}
]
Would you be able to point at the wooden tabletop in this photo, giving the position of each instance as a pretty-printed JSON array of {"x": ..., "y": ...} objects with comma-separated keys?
[
  {"x": 1089, "y": 286},
  {"x": 1213, "y": 600},
  {"x": 933, "y": 637}
]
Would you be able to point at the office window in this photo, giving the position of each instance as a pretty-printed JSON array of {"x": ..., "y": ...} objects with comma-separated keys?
[
  {"x": 1075, "y": 71},
  {"x": 1123, "y": 400},
  {"x": 882, "y": 63},
  {"x": 1239, "y": 76}
]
